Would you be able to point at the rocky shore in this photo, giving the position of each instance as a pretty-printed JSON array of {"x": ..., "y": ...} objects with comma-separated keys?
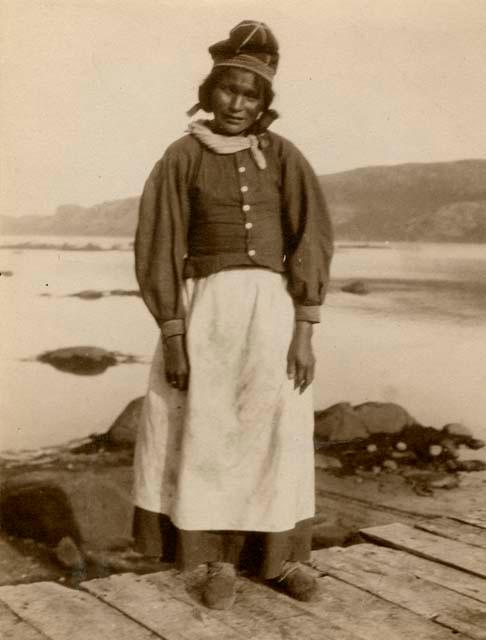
[{"x": 66, "y": 511}]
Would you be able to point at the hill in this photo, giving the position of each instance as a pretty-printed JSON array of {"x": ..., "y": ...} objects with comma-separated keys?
[
  {"x": 114, "y": 218},
  {"x": 414, "y": 202},
  {"x": 435, "y": 201}
]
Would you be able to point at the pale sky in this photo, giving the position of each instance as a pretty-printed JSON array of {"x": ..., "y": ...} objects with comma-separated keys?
[{"x": 92, "y": 91}]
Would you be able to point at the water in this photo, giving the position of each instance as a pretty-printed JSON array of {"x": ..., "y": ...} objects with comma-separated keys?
[{"x": 418, "y": 339}]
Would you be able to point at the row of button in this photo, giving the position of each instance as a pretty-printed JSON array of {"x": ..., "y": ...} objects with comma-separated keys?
[{"x": 246, "y": 208}]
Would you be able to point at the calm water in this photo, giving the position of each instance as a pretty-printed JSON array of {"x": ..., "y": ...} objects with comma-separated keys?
[{"x": 419, "y": 337}]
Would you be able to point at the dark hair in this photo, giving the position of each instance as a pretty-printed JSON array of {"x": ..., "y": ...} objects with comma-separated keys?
[{"x": 207, "y": 87}]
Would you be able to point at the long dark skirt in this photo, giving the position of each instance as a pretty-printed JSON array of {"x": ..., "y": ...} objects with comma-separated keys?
[{"x": 256, "y": 553}]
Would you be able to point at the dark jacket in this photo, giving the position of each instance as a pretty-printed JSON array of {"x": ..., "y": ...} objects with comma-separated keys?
[{"x": 202, "y": 212}]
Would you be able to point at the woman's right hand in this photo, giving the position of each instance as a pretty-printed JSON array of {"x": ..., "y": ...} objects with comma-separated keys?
[{"x": 176, "y": 362}]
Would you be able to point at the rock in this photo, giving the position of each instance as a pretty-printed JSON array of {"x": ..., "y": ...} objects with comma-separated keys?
[
  {"x": 88, "y": 294},
  {"x": 459, "y": 434},
  {"x": 471, "y": 465},
  {"x": 323, "y": 461},
  {"x": 401, "y": 446},
  {"x": 83, "y": 360},
  {"x": 38, "y": 510},
  {"x": 123, "y": 431},
  {"x": 405, "y": 457},
  {"x": 5, "y": 273},
  {"x": 450, "y": 447},
  {"x": 93, "y": 507},
  {"x": 383, "y": 417},
  {"x": 68, "y": 554},
  {"x": 390, "y": 465},
  {"x": 448, "y": 481},
  {"x": 474, "y": 443},
  {"x": 124, "y": 292},
  {"x": 371, "y": 448},
  {"x": 358, "y": 287},
  {"x": 435, "y": 450},
  {"x": 338, "y": 423},
  {"x": 457, "y": 429}
]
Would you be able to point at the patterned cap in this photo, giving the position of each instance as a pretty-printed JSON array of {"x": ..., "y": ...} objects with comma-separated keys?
[{"x": 251, "y": 46}]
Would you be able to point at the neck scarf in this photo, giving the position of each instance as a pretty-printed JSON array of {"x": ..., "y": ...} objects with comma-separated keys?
[{"x": 227, "y": 144}]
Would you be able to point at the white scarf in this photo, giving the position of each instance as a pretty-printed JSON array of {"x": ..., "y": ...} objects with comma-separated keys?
[{"x": 227, "y": 144}]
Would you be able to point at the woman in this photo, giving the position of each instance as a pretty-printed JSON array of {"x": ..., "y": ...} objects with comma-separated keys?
[{"x": 232, "y": 257}]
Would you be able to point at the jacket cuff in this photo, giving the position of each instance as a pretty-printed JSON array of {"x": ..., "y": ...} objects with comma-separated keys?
[
  {"x": 171, "y": 328},
  {"x": 307, "y": 313}
]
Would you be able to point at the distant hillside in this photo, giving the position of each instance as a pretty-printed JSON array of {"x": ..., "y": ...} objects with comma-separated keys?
[
  {"x": 114, "y": 218},
  {"x": 435, "y": 201}
]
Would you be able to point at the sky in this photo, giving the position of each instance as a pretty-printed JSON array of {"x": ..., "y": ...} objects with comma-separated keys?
[{"x": 92, "y": 91}]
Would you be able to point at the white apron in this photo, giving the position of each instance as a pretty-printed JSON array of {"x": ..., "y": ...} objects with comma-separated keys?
[{"x": 235, "y": 452}]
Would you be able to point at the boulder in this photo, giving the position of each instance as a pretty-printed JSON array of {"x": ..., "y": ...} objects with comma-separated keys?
[
  {"x": 338, "y": 423},
  {"x": 5, "y": 273},
  {"x": 69, "y": 555},
  {"x": 123, "y": 431},
  {"x": 37, "y": 510},
  {"x": 88, "y": 294},
  {"x": 358, "y": 287},
  {"x": 383, "y": 417},
  {"x": 457, "y": 434},
  {"x": 93, "y": 508},
  {"x": 457, "y": 430},
  {"x": 84, "y": 360}
]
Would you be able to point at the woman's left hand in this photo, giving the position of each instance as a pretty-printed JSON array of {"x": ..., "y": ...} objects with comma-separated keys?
[{"x": 300, "y": 359}]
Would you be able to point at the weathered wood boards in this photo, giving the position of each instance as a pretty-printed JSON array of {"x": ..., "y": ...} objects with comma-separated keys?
[
  {"x": 449, "y": 552},
  {"x": 447, "y": 577},
  {"x": 14, "y": 628},
  {"x": 420, "y": 586},
  {"x": 428, "y": 599},
  {"x": 476, "y": 517},
  {"x": 371, "y": 617},
  {"x": 58, "y": 613},
  {"x": 460, "y": 531},
  {"x": 170, "y": 606}
]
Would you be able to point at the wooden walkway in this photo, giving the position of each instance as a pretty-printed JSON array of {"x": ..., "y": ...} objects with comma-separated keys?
[{"x": 404, "y": 583}]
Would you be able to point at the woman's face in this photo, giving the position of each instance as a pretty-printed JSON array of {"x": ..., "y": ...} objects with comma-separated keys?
[{"x": 236, "y": 101}]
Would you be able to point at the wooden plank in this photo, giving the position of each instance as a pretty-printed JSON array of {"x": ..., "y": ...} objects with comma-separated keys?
[
  {"x": 427, "y": 545},
  {"x": 476, "y": 517},
  {"x": 14, "y": 628},
  {"x": 142, "y": 600},
  {"x": 61, "y": 614},
  {"x": 447, "y": 577},
  {"x": 264, "y": 613},
  {"x": 170, "y": 604},
  {"x": 453, "y": 610},
  {"x": 373, "y": 618},
  {"x": 460, "y": 531}
]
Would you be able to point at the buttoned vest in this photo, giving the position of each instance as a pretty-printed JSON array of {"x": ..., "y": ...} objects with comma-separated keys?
[{"x": 235, "y": 214}]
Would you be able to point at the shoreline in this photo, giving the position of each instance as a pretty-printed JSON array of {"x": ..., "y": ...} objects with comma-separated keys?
[{"x": 87, "y": 482}]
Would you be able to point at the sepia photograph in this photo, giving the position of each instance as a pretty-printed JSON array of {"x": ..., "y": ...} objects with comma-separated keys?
[{"x": 243, "y": 334}]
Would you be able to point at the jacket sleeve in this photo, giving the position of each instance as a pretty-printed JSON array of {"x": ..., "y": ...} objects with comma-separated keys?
[
  {"x": 308, "y": 234},
  {"x": 161, "y": 241}
]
